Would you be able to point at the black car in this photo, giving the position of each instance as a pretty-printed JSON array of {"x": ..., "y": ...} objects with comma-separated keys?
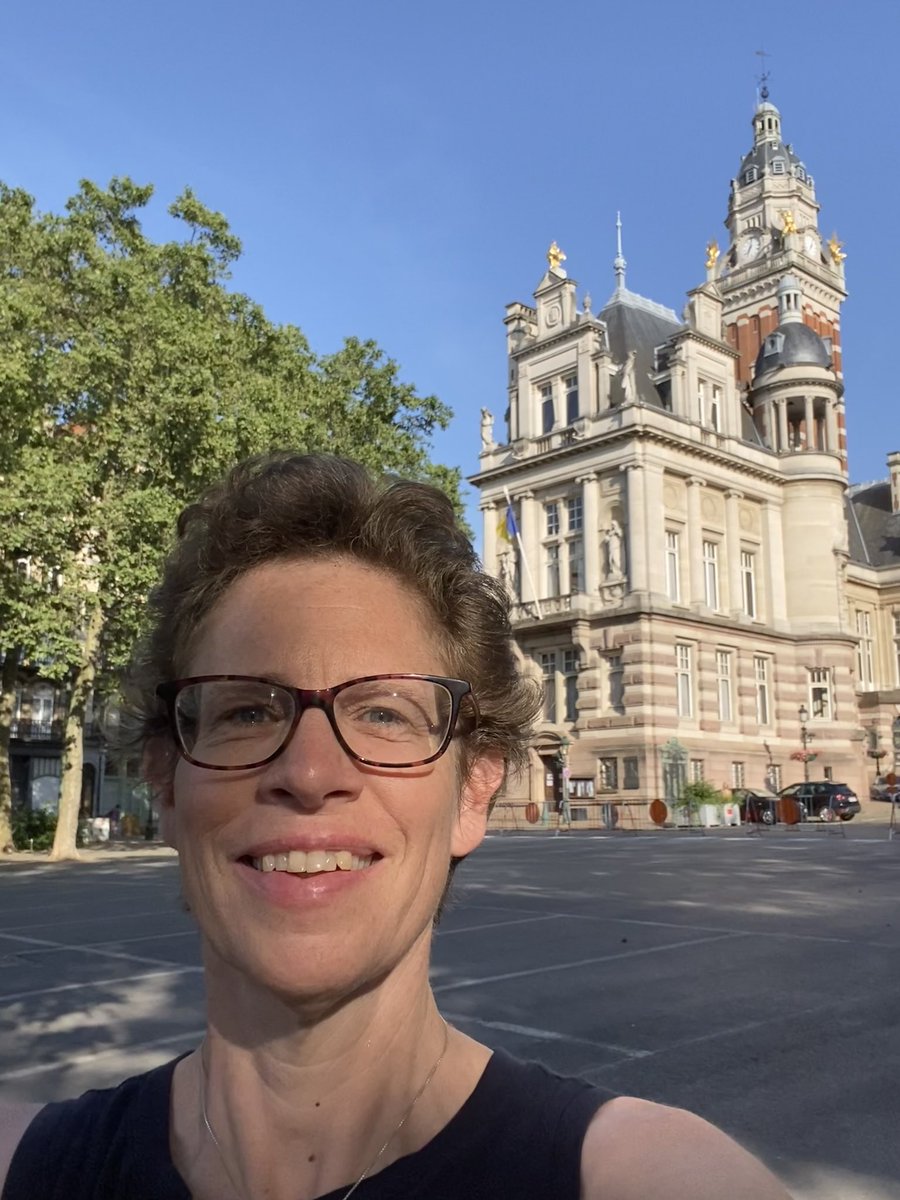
[
  {"x": 823, "y": 799},
  {"x": 756, "y": 807}
]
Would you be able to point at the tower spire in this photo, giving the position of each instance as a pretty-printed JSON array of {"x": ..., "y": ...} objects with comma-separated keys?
[
  {"x": 619, "y": 263},
  {"x": 762, "y": 90}
]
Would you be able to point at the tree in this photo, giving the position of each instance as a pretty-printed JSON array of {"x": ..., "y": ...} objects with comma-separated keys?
[{"x": 135, "y": 378}]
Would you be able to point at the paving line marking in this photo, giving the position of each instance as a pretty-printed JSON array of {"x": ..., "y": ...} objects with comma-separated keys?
[
  {"x": 546, "y": 1035},
  {"x": 78, "y": 1060},
  {"x": 55, "y": 946},
  {"x": 584, "y": 962},
  {"x": 130, "y": 916},
  {"x": 97, "y": 983},
  {"x": 442, "y": 933}
]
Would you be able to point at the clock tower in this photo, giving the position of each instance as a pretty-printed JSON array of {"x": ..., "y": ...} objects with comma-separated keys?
[{"x": 773, "y": 231}]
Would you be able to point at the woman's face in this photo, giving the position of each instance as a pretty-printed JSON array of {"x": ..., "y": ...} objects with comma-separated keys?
[{"x": 320, "y": 935}]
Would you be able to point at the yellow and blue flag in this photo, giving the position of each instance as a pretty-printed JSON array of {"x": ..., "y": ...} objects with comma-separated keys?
[{"x": 507, "y": 528}]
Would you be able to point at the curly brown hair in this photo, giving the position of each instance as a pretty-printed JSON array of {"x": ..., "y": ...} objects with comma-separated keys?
[{"x": 284, "y": 506}]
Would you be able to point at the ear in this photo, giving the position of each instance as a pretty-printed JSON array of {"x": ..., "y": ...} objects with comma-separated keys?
[
  {"x": 482, "y": 782},
  {"x": 158, "y": 764}
]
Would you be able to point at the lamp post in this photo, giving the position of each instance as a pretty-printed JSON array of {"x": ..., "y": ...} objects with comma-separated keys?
[{"x": 805, "y": 739}]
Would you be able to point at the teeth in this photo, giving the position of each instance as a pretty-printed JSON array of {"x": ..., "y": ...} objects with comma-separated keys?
[{"x": 313, "y": 862}]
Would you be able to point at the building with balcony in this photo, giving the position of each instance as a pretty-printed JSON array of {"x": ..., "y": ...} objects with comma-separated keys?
[{"x": 668, "y": 505}]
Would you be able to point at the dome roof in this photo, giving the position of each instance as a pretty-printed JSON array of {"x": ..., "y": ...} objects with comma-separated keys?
[{"x": 792, "y": 344}]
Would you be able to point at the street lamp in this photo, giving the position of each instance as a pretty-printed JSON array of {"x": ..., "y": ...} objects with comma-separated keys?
[{"x": 805, "y": 739}]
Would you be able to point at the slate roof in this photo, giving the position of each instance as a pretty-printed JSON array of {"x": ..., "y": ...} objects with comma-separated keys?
[
  {"x": 635, "y": 323},
  {"x": 791, "y": 344},
  {"x": 874, "y": 530}
]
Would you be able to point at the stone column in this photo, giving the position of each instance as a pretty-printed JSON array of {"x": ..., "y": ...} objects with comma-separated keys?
[
  {"x": 635, "y": 527},
  {"x": 590, "y": 486},
  {"x": 655, "y": 529},
  {"x": 696, "y": 590},
  {"x": 773, "y": 548},
  {"x": 810, "y": 420},
  {"x": 489, "y": 541},
  {"x": 783, "y": 440},
  {"x": 831, "y": 426},
  {"x": 529, "y": 576},
  {"x": 733, "y": 550}
]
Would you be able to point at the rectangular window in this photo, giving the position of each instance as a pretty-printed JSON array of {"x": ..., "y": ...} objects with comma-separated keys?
[
  {"x": 609, "y": 774},
  {"x": 896, "y": 616},
  {"x": 548, "y": 671},
  {"x": 631, "y": 778},
  {"x": 748, "y": 582},
  {"x": 715, "y": 407},
  {"x": 695, "y": 773},
  {"x": 774, "y": 777},
  {"x": 570, "y": 673},
  {"x": 571, "y": 386},
  {"x": 724, "y": 685},
  {"x": 547, "y": 415},
  {"x": 761, "y": 678},
  {"x": 737, "y": 774},
  {"x": 615, "y": 683},
  {"x": 576, "y": 565},
  {"x": 864, "y": 651},
  {"x": 551, "y": 516},
  {"x": 574, "y": 514},
  {"x": 684, "y": 689},
  {"x": 711, "y": 574},
  {"x": 820, "y": 706},
  {"x": 673, "y": 567},
  {"x": 552, "y": 559}
]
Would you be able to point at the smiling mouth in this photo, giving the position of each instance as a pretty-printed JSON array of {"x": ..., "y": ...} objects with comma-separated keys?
[{"x": 312, "y": 862}]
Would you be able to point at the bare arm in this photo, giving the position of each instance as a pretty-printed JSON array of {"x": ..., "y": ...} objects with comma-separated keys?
[
  {"x": 636, "y": 1150},
  {"x": 14, "y": 1120}
]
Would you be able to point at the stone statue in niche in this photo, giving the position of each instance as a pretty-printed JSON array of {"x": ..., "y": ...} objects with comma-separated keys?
[
  {"x": 626, "y": 371},
  {"x": 505, "y": 571},
  {"x": 612, "y": 540},
  {"x": 487, "y": 429}
]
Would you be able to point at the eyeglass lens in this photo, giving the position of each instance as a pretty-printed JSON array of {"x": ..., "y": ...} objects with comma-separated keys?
[{"x": 235, "y": 723}]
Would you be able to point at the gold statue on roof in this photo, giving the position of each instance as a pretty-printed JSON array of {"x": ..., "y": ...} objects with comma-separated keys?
[
  {"x": 555, "y": 257},
  {"x": 789, "y": 225},
  {"x": 712, "y": 253},
  {"x": 836, "y": 250}
]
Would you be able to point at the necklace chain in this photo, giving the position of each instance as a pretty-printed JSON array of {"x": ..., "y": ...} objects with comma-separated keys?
[{"x": 372, "y": 1165}]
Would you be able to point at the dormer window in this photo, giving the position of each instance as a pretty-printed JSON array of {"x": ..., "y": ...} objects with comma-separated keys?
[
  {"x": 800, "y": 173},
  {"x": 777, "y": 166},
  {"x": 751, "y": 175},
  {"x": 774, "y": 344}
]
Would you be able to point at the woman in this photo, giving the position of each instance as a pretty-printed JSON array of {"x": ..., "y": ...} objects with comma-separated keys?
[{"x": 328, "y": 703}]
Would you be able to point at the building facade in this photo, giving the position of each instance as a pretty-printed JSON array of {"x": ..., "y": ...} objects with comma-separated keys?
[{"x": 693, "y": 578}]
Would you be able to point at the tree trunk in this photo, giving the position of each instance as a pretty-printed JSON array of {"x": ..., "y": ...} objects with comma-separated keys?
[
  {"x": 10, "y": 674},
  {"x": 65, "y": 840}
]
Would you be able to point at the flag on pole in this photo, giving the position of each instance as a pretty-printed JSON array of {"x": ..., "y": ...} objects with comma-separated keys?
[{"x": 507, "y": 529}]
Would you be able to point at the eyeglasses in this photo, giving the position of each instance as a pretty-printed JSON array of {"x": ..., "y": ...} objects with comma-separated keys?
[{"x": 233, "y": 722}]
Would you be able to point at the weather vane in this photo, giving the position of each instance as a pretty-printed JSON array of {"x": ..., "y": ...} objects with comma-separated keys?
[{"x": 763, "y": 80}]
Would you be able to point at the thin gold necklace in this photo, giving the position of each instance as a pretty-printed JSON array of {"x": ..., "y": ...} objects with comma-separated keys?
[{"x": 372, "y": 1165}]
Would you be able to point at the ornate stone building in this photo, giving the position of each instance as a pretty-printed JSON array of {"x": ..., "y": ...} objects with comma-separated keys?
[{"x": 669, "y": 506}]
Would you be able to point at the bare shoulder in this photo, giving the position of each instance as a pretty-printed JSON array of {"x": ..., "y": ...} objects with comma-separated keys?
[
  {"x": 14, "y": 1120},
  {"x": 637, "y": 1150}
]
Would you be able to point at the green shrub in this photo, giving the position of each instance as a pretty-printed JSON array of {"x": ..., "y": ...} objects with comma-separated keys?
[
  {"x": 33, "y": 829},
  {"x": 694, "y": 795}
]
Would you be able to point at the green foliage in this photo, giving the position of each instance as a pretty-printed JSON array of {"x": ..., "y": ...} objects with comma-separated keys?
[
  {"x": 33, "y": 829},
  {"x": 695, "y": 795},
  {"x": 131, "y": 377}
]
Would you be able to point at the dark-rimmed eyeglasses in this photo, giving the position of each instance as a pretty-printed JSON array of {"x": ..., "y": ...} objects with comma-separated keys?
[{"x": 234, "y": 722}]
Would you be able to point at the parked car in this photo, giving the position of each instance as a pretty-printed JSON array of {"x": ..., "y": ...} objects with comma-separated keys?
[
  {"x": 756, "y": 807},
  {"x": 880, "y": 790},
  {"x": 823, "y": 799}
]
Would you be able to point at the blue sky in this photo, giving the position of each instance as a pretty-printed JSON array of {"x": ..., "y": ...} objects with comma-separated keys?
[{"x": 396, "y": 170}]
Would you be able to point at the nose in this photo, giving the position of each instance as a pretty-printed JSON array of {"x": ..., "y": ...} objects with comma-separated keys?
[{"x": 313, "y": 768}]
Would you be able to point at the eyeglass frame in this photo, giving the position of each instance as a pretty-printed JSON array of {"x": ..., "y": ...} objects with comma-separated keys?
[{"x": 323, "y": 699}]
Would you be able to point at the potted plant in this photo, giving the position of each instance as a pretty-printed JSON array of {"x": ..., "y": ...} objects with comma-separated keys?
[{"x": 702, "y": 802}]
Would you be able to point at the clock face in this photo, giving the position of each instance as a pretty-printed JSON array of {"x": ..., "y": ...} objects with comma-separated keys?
[
  {"x": 750, "y": 246},
  {"x": 811, "y": 245}
]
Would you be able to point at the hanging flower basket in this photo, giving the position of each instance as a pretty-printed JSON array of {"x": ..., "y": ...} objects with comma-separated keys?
[{"x": 803, "y": 756}]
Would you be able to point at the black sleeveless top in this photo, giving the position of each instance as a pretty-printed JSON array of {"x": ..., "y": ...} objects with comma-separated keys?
[{"x": 518, "y": 1135}]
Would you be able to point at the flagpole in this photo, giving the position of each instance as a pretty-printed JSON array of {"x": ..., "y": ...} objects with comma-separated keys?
[{"x": 537, "y": 603}]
